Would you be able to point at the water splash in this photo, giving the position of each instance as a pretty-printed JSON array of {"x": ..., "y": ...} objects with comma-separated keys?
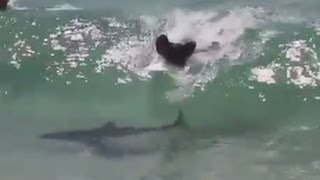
[
  {"x": 136, "y": 54},
  {"x": 64, "y": 7}
]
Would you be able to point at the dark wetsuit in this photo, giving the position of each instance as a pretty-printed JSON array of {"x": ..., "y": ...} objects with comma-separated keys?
[
  {"x": 174, "y": 53},
  {"x": 3, "y": 5}
]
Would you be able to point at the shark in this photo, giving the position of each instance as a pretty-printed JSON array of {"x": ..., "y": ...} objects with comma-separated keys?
[{"x": 111, "y": 140}]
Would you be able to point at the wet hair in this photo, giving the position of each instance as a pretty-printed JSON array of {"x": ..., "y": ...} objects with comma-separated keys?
[
  {"x": 174, "y": 53},
  {"x": 162, "y": 44}
]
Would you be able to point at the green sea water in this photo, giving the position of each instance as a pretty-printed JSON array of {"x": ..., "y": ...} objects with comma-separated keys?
[{"x": 73, "y": 64}]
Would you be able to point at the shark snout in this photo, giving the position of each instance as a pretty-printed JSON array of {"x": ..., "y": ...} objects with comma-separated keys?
[
  {"x": 69, "y": 136},
  {"x": 55, "y": 136}
]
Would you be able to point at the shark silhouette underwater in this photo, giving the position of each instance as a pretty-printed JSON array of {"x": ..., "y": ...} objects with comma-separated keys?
[{"x": 110, "y": 140}]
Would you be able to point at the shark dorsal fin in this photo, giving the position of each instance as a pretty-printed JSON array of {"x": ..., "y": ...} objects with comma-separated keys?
[
  {"x": 180, "y": 120},
  {"x": 110, "y": 124}
]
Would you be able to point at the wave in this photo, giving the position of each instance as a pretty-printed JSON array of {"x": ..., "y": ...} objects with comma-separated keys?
[
  {"x": 64, "y": 7},
  {"x": 267, "y": 41},
  {"x": 137, "y": 54},
  {"x": 60, "y": 7}
]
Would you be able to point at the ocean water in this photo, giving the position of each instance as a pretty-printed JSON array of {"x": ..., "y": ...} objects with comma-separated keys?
[{"x": 252, "y": 105}]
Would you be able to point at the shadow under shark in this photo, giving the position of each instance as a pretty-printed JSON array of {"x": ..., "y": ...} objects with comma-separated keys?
[{"x": 116, "y": 141}]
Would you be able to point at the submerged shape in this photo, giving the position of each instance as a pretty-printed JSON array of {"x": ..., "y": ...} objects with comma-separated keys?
[{"x": 114, "y": 141}]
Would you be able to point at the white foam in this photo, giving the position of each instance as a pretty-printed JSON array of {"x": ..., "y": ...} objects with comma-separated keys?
[
  {"x": 137, "y": 53},
  {"x": 64, "y": 7},
  {"x": 301, "y": 69},
  {"x": 264, "y": 75},
  {"x": 296, "y": 49},
  {"x": 206, "y": 27},
  {"x": 297, "y": 77},
  {"x": 267, "y": 35},
  {"x": 13, "y": 5},
  {"x": 157, "y": 67}
]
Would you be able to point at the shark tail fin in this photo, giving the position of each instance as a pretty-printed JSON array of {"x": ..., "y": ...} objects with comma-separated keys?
[{"x": 180, "y": 119}]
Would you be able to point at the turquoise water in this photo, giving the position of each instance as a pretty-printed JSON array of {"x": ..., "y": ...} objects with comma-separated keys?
[{"x": 252, "y": 106}]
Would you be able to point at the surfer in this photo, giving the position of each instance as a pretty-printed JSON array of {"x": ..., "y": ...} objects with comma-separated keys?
[
  {"x": 4, "y": 5},
  {"x": 177, "y": 53}
]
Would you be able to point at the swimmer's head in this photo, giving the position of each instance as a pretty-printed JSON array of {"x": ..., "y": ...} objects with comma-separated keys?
[
  {"x": 163, "y": 38},
  {"x": 162, "y": 43}
]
